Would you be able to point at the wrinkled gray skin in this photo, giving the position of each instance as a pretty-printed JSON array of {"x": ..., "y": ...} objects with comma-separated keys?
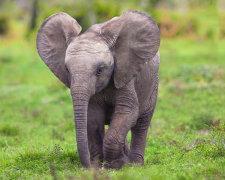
[{"x": 112, "y": 72}]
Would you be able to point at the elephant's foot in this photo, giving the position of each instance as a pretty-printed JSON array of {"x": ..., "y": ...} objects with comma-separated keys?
[
  {"x": 123, "y": 160},
  {"x": 117, "y": 163},
  {"x": 96, "y": 165},
  {"x": 136, "y": 158},
  {"x": 96, "y": 162}
]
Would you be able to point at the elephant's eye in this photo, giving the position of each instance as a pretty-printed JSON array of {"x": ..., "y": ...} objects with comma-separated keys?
[
  {"x": 99, "y": 70},
  {"x": 67, "y": 69}
]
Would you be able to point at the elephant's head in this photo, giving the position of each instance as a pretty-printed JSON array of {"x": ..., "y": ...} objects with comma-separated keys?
[{"x": 85, "y": 63}]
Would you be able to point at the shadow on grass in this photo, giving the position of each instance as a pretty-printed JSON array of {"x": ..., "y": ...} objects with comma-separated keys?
[
  {"x": 8, "y": 130},
  {"x": 41, "y": 162}
]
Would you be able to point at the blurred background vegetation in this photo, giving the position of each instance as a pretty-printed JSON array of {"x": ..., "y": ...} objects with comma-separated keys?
[
  {"x": 198, "y": 19},
  {"x": 187, "y": 136}
]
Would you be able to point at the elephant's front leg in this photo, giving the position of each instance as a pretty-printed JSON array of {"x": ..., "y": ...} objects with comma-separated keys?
[
  {"x": 95, "y": 127},
  {"x": 124, "y": 117}
]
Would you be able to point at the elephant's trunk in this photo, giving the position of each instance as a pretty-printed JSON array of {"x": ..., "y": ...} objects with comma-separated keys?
[{"x": 80, "y": 98}]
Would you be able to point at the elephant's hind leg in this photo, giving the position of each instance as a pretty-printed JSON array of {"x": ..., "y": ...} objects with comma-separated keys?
[
  {"x": 138, "y": 140},
  {"x": 95, "y": 127},
  {"x": 139, "y": 131}
]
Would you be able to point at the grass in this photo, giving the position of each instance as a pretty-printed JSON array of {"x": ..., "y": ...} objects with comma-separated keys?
[{"x": 187, "y": 135}]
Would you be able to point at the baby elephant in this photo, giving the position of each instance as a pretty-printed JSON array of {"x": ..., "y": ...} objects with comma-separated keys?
[{"x": 112, "y": 72}]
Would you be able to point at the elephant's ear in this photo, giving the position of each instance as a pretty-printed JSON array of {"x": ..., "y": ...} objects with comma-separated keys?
[
  {"x": 135, "y": 39},
  {"x": 54, "y": 36}
]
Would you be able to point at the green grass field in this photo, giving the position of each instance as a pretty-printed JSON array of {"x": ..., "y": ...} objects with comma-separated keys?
[{"x": 187, "y": 135}]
